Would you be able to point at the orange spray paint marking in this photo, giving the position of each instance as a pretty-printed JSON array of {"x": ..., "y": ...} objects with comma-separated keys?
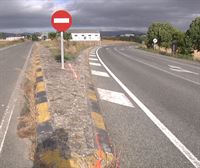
[
  {"x": 73, "y": 71},
  {"x": 100, "y": 157}
]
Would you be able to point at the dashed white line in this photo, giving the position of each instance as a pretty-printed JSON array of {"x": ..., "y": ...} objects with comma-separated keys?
[
  {"x": 155, "y": 67},
  {"x": 186, "y": 152},
  {"x": 99, "y": 73},
  {"x": 95, "y": 64},
  {"x": 92, "y": 55},
  {"x": 93, "y": 59},
  {"x": 114, "y": 97}
]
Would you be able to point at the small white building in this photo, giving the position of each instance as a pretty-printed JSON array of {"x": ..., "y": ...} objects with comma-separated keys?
[
  {"x": 85, "y": 35},
  {"x": 14, "y": 38}
]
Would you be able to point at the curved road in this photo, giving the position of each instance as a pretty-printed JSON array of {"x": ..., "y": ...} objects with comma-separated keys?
[{"x": 170, "y": 89}]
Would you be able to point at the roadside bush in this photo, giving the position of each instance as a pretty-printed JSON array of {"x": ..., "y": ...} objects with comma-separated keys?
[{"x": 34, "y": 37}]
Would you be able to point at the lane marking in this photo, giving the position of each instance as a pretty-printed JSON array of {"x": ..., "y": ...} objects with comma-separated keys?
[
  {"x": 7, "y": 116},
  {"x": 114, "y": 97},
  {"x": 95, "y": 64},
  {"x": 14, "y": 45},
  {"x": 170, "y": 59},
  {"x": 99, "y": 73},
  {"x": 61, "y": 20},
  {"x": 155, "y": 120},
  {"x": 93, "y": 59},
  {"x": 179, "y": 69},
  {"x": 152, "y": 66},
  {"x": 93, "y": 56}
]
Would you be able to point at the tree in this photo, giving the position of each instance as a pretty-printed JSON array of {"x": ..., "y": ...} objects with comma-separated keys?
[
  {"x": 35, "y": 37},
  {"x": 179, "y": 38},
  {"x": 1, "y": 35},
  {"x": 67, "y": 36},
  {"x": 192, "y": 37},
  {"x": 163, "y": 32},
  {"x": 52, "y": 35}
]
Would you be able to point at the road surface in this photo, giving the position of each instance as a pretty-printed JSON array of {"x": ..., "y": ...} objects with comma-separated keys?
[
  {"x": 151, "y": 104},
  {"x": 13, "y": 150}
]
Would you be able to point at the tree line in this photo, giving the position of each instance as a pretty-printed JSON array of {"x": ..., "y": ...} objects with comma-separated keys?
[{"x": 166, "y": 34}]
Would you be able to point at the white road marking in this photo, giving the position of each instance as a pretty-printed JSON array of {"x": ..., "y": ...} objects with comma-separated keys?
[
  {"x": 5, "y": 48},
  {"x": 61, "y": 20},
  {"x": 186, "y": 152},
  {"x": 179, "y": 69},
  {"x": 5, "y": 123},
  {"x": 94, "y": 64},
  {"x": 93, "y": 59},
  {"x": 92, "y": 55},
  {"x": 170, "y": 59},
  {"x": 114, "y": 97},
  {"x": 99, "y": 73},
  {"x": 197, "y": 83}
]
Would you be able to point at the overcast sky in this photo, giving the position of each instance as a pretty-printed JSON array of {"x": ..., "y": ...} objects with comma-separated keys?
[{"x": 34, "y": 15}]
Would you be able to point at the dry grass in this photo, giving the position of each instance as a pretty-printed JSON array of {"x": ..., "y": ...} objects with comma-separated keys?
[
  {"x": 8, "y": 43},
  {"x": 196, "y": 56},
  {"x": 112, "y": 42},
  {"x": 27, "y": 119},
  {"x": 72, "y": 49}
]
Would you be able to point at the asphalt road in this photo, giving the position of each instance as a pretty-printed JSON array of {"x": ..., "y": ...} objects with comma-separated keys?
[
  {"x": 13, "y": 150},
  {"x": 169, "y": 88}
]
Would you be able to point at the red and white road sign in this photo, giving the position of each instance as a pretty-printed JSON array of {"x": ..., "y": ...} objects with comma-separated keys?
[{"x": 61, "y": 20}]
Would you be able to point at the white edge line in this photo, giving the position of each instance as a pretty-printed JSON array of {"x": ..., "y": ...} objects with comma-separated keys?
[
  {"x": 14, "y": 45},
  {"x": 155, "y": 120},
  {"x": 11, "y": 101},
  {"x": 170, "y": 59},
  {"x": 152, "y": 66}
]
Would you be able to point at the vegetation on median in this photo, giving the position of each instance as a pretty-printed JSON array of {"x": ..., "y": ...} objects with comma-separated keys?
[{"x": 72, "y": 49}]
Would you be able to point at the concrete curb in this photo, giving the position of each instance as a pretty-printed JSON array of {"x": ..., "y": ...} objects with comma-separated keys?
[
  {"x": 43, "y": 115},
  {"x": 102, "y": 139},
  {"x": 51, "y": 150},
  {"x": 100, "y": 128}
]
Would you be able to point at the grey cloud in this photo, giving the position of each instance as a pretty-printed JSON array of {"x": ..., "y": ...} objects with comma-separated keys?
[
  {"x": 127, "y": 14},
  {"x": 134, "y": 13}
]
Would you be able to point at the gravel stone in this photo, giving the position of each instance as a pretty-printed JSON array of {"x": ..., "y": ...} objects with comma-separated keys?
[{"x": 67, "y": 98}]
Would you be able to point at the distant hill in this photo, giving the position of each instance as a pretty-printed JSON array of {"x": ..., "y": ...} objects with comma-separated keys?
[
  {"x": 118, "y": 33},
  {"x": 13, "y": 34}
]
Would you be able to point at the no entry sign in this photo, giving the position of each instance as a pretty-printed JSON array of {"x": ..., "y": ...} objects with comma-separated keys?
[{"x": 61, "y": 20}]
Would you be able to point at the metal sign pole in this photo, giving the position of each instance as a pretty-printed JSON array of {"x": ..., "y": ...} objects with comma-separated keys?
[{"x": 62, "y": 52}]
